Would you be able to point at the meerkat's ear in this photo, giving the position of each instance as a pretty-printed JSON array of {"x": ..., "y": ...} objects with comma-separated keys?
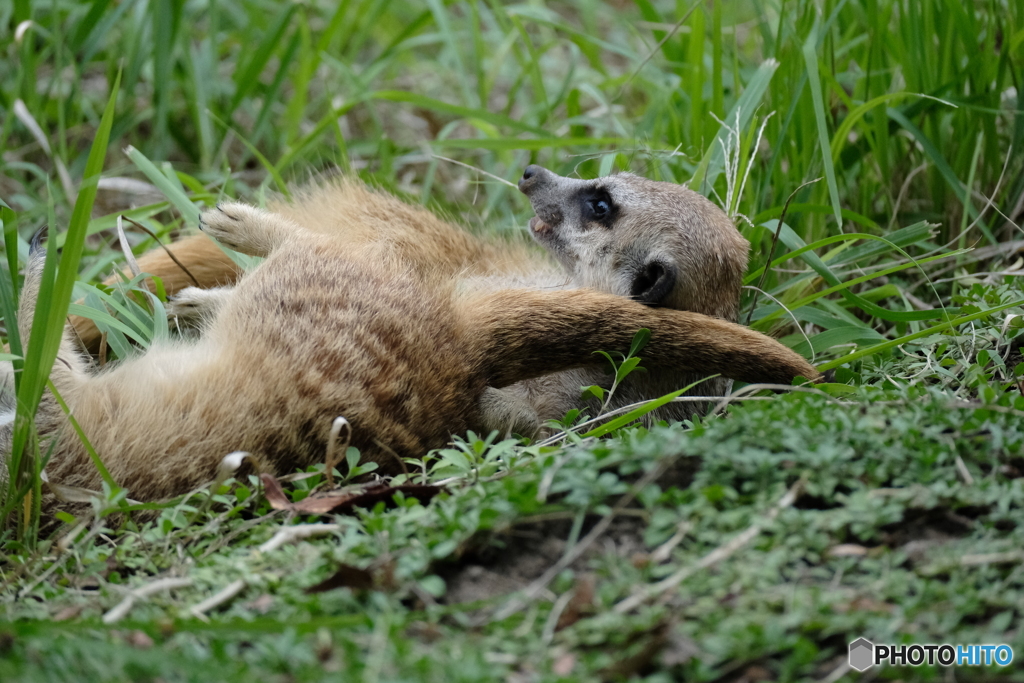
[{"x": 653, "y": 283}]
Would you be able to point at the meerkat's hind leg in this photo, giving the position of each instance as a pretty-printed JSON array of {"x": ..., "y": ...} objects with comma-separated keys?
[
  {"x": 193, "y": 307},
  {"x": 508, "y": 413},
  {"x": 247, "y": 229}
]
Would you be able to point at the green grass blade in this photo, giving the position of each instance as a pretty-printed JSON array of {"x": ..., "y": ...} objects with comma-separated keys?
[
  {"x": 248, "y": 77},
  {"x": 55, "y": 293},
  {"x": 853, "y": 118},
  {"x": 805, "y": 251},
  {"x": 165, "y": 18},
  {"x": 431, "y": 104},
  {"x": 270, "y": 168},
  {"x": 710, "y": 166},
  {"x": 640, "y": 411},
  {"x": 811, "y": 298},
  {"x": 797, "y": 208},
  {"x": 850, "y": 334},
  {"x": 904, "y": 237},
  {"x": 935, "y": 329},
  {"x": 100, "y": 316},
  {"x": 948, "y": 174},
  {"x": 811, "y": 60},
  {"x": 503, "y": 144},
  {"x": 171, "y": 190},
  {"x": 873, "y": 248},
  {"x": 9, "y": 285}
]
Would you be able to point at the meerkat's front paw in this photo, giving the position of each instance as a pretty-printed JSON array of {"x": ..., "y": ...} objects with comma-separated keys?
[
  {"x": 245, "y": 228},
  {"x": 192, "y": 306}
]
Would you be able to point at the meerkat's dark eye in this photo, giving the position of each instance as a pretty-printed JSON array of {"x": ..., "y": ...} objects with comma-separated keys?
[{"x": 598, "y": 208}]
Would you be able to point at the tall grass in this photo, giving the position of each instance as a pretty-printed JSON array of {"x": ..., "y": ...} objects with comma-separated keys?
[{"x": 907, "y": 109}]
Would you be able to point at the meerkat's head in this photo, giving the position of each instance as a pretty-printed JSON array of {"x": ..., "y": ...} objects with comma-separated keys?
[{"x": 657, "y": 242}]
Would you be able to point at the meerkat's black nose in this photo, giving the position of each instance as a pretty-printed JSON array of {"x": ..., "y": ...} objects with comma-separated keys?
[{"x": 531, "y": 176}]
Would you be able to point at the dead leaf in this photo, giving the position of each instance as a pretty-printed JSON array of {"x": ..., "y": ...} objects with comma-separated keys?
[
  {"x": 582, "y": 601},
  {"x": 345, "y": 500},
  {"x": 274, "y": 493},
  {"x": 375, "y": 493},
  {"x": 380, "y": 576}
]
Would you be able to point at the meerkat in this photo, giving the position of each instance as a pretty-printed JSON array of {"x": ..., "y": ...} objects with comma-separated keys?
[
  {"x": 657, "y": 242},
  {"x": 325, "y": 327}
]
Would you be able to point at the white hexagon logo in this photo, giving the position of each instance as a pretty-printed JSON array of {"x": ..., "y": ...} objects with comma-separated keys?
[{"x": 862, "y": 653}]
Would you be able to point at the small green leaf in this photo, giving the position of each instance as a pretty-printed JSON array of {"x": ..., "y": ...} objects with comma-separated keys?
[
  {"x": 352, "y": 457},
  {"x": 640, "y": 339},
  {"x": 628, "y": 366}
]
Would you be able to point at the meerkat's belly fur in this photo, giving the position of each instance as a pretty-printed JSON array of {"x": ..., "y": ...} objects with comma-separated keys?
[{"x": 311, "y": 335}]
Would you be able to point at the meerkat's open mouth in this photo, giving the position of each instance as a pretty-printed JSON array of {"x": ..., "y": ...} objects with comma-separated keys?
[{"x": 539, "y": 227}]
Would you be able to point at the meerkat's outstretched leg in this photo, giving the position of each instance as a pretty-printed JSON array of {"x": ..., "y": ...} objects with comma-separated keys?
[{"x": 520, "y": 334}]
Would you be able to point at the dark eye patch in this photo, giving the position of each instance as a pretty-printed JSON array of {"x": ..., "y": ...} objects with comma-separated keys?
[{"x": 596, "y": 206}]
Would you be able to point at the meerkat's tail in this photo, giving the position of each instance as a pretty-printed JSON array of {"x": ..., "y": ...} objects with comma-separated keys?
[
  {"x": 525, "y": 334},
  {"x": 192, "y": 262}
]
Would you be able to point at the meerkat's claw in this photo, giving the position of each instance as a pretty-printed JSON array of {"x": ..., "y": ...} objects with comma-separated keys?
[
  {"x": 233, "y": 225},
  {"x": 193, "y": 305}
]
